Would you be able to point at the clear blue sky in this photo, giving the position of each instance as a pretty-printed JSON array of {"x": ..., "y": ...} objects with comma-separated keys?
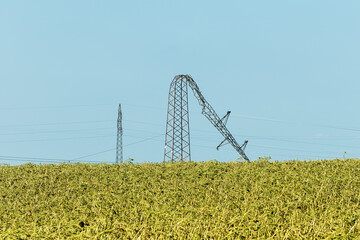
[{"x": 288, "y": 71}]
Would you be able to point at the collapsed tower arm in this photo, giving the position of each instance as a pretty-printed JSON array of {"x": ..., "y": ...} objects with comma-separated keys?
[{"x": 212, "y": 116}]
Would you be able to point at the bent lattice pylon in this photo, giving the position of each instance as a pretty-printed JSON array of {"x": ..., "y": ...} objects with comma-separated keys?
[{"x": 177, "y": 137}]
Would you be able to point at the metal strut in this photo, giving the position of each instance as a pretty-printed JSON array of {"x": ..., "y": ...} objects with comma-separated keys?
[
  {"x": 224, "y": 119},
  {"x": 211, "y": 115}
]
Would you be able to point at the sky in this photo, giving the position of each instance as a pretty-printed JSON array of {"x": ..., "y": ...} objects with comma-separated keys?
[{"x": 288, "y": 71}]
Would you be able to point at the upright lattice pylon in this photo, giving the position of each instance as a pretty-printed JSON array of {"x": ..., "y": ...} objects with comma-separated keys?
[
  {"x": 177, "y": 137},
  {"x": 119, "y": 145}
]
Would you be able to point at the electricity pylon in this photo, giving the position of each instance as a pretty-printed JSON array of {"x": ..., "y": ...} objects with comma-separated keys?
[
  {"x": 177, "y": 137},
  {"x": 119, "y": 144}
]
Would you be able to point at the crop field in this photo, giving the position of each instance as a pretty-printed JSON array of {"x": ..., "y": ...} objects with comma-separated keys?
[{"x": 184, "y": 200}]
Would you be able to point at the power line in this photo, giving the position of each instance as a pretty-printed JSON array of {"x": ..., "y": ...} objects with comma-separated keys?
[
  {"x": 45, "y": 161},
  {"x": 56, "y": 139},
  {"x": 279, "y": 121},
  {"x": 54, "y": 123},
  {"x": 27, "y": 160},
  {"x": 75, "y": 106},
  {"x": 55, "y": 106},
  {"x": 152, "y": 107},
  {"x": 162, "y": 125},
  {"x": 281, "y": 148},
  {"x": 31, "y": 159},
  {"x": 68, "y": 131},
  {"x": 208, "y": 131},
  {"x": 294, "y": 122},
  {"x": 281, "y": 138},
  {"x": 55, "y": 131},
  {"x": 93, "y": 154},
  {"x": 272, "y": 147},
  {"x": 55, "y": 160},
  {"x": 311, "y": 143},
  {"x": 111, "y": 149},
  {"x": 38, "y": 159},
  {"x": 144, "y": 140},
  {"x": 34, "y": 158},
  {"x": 64, "y": 139}
]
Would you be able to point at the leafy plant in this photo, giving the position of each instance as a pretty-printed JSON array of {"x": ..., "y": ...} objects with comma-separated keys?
[{"x": 194, "y": 200}]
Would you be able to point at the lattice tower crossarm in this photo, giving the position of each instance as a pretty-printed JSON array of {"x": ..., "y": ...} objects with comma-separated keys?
[{"x": 207, "y": 111}]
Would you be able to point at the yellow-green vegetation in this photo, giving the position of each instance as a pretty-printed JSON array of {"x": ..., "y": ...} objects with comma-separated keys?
[{"x": 192, "y": 200}]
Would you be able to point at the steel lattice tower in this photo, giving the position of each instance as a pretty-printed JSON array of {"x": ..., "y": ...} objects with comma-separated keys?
[
  {"x": 119, "y": 145},
  {"x": 177, "y": 137}
]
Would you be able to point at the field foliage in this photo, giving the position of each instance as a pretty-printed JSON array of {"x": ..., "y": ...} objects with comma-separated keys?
[{"x": 192, "y": 200}]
